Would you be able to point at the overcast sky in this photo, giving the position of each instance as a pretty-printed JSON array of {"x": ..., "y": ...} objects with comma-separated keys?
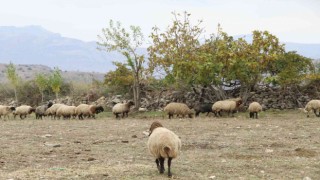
[{"x": 289, "y": 20}]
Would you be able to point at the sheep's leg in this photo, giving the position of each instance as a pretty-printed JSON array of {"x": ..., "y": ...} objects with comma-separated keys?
[
  {"x": 169, "y": 165},
  {"x": 161, "y": 159},
  {"x": 256, "y": 115},
  {"x": 158, "y": 164},
  {"x": 315, "y": 112}
]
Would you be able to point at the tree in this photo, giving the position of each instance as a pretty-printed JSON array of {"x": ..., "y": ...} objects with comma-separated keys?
[
  {"x": 56, "y": 81},
  {"x": 13, "y": 78},
  {"x": 42, "y": 83},
  {"x": 116, "y": 38},
  {"x": 119, "y": 80},
  {"x": 175, "y": 50},
  {"x": 292, "y": 68}
]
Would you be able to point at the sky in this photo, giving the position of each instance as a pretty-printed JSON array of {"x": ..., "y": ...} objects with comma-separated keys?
[{"x": 290, "y": 20}]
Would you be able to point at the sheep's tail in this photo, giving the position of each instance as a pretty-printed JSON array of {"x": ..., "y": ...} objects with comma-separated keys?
[{"x": 167, "y": 150}]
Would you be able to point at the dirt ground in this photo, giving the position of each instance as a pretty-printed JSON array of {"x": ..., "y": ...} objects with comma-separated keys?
[{"x": 279, "y": 145}]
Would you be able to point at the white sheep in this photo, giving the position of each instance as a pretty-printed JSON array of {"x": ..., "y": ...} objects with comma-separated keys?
[
  {"x": 6, "y": 110},
  {"x": 313, "y": 105},
  {"x": 178, "y": 109},
  {"x": 88, "y": 110},
  {"x": 66, "y": 111},
  {"x": 23, "y": 111},
  {"x": 253, "y": 109},
  {"x": 122, "y": 108},
  {"x": 163, "y": 143},
  {"x": 52, "y": 110},
  {"x": 229, "y": 105}
]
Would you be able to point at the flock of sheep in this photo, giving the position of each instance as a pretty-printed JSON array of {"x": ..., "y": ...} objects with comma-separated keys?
[
  {"x": 162, "y": 142},
  {"x": 122, "y": 109},
  {"x": 228, "y": 106},
  {"x": 53, "y": 110}
]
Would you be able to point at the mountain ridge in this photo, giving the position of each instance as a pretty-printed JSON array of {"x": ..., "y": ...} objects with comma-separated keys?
[{"x": 36, "y": 45}]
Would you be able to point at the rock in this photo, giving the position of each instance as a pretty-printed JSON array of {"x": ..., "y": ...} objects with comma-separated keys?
[
  {"x": 52, "y": 145},
  {"x": 91, "y": 159}
]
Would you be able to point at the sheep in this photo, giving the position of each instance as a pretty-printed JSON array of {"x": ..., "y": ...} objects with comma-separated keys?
[
  {"x": 88, "y": 110},
  {"x": 6, "y": 110},
  {"x": 41, "y": 110},
  {"x": 163, "y": 143},
  {"x": 179, "y": 109},
  {"x": 52, "y": 110},
  {"x": 253, "y": 109},
  {"x": 123, "y": 108},
  {"x": 66, "y": 111},
  {"x": 23, "y": 111},
  {"x": 229, "y": 105},
  {"x": 313, "y": 105},
  {"x": 203, "y": 108}
]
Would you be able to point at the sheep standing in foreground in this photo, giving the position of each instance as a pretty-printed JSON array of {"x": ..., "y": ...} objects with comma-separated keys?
[
  {"x": 6, "y": 110},
  {"x": 203, "y": 108},
  {"x": 178, "y": 109},
  {"x": 41, "y": 110},
  {"x": 313, "y": 105},
  {"x": 88, "y": 110},
  {"x": 23, "y": 111},
  {"x": 163, "y": 143},
  {"x": 229, "y": 105},
  {"x": 253, "y": 109},
  {"x": 122, "y": 108}
]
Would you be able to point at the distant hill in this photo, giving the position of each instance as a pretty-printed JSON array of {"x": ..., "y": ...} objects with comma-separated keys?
[
  {"x": 35, "y": 45},
  {"x": 28, "y": 72}
]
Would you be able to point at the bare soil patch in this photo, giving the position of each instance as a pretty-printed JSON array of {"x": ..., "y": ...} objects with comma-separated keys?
[{"x": 281, "y": 145}]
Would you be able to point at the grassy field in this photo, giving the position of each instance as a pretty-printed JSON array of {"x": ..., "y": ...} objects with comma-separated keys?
[{"x": 279, "y": 145}]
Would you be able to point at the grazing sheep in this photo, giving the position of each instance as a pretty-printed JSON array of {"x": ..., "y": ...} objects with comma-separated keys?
[
  {"x": 66, "y": 112},
  {"x": 122, "y": 108},
  {"x": 203, "y": 108},
  {"x": 313, "y": 105},
  {"x": 41, "y": 110},
  {"x": 253, "y": 109},
  {"x": 52, "y": 110},
  {"x": 6, "y": 110},
  {"x": 163, "y": 143},
  {"x": 179, "y": 109},
  {"x": 229, "y": 105},
  {"x": 23, "y": 111},
  {"x": 88, "y": 110}
]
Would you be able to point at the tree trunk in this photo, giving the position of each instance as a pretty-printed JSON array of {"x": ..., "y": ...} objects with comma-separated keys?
[
  {"x": 136, "y": 92},
  {"x": 15, "y": 94}
]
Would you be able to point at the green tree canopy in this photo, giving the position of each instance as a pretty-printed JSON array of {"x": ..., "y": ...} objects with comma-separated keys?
[{"x": 116, "y": 38}]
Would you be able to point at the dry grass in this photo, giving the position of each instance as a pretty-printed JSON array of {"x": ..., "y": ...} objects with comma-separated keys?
[{"x": 280, "y": 145}]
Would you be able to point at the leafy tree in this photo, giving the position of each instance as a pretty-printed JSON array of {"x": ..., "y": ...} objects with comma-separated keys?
[
  {"x": 116, "y": 38},
  {"x": 42, "y": 82},
  {"x": 56, "y": 81},
  {"x": 13, "y": 78},
  {"x": 292, "y": 68},
  {"x": 174, "y": 52},
  {"x": 121, "y": 79}
]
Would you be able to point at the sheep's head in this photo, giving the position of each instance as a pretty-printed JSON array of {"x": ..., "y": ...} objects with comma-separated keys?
[
  {"x": 32, "y": 110},
  {"x": 99, "y": 109},
  {"x": 130, "y": 103},
  {"x": 50, "y": 103},
  {"x": 154, "y": 125},
  {"x": 12, "y": 108},
  {"x": 238, "y": 102}
]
